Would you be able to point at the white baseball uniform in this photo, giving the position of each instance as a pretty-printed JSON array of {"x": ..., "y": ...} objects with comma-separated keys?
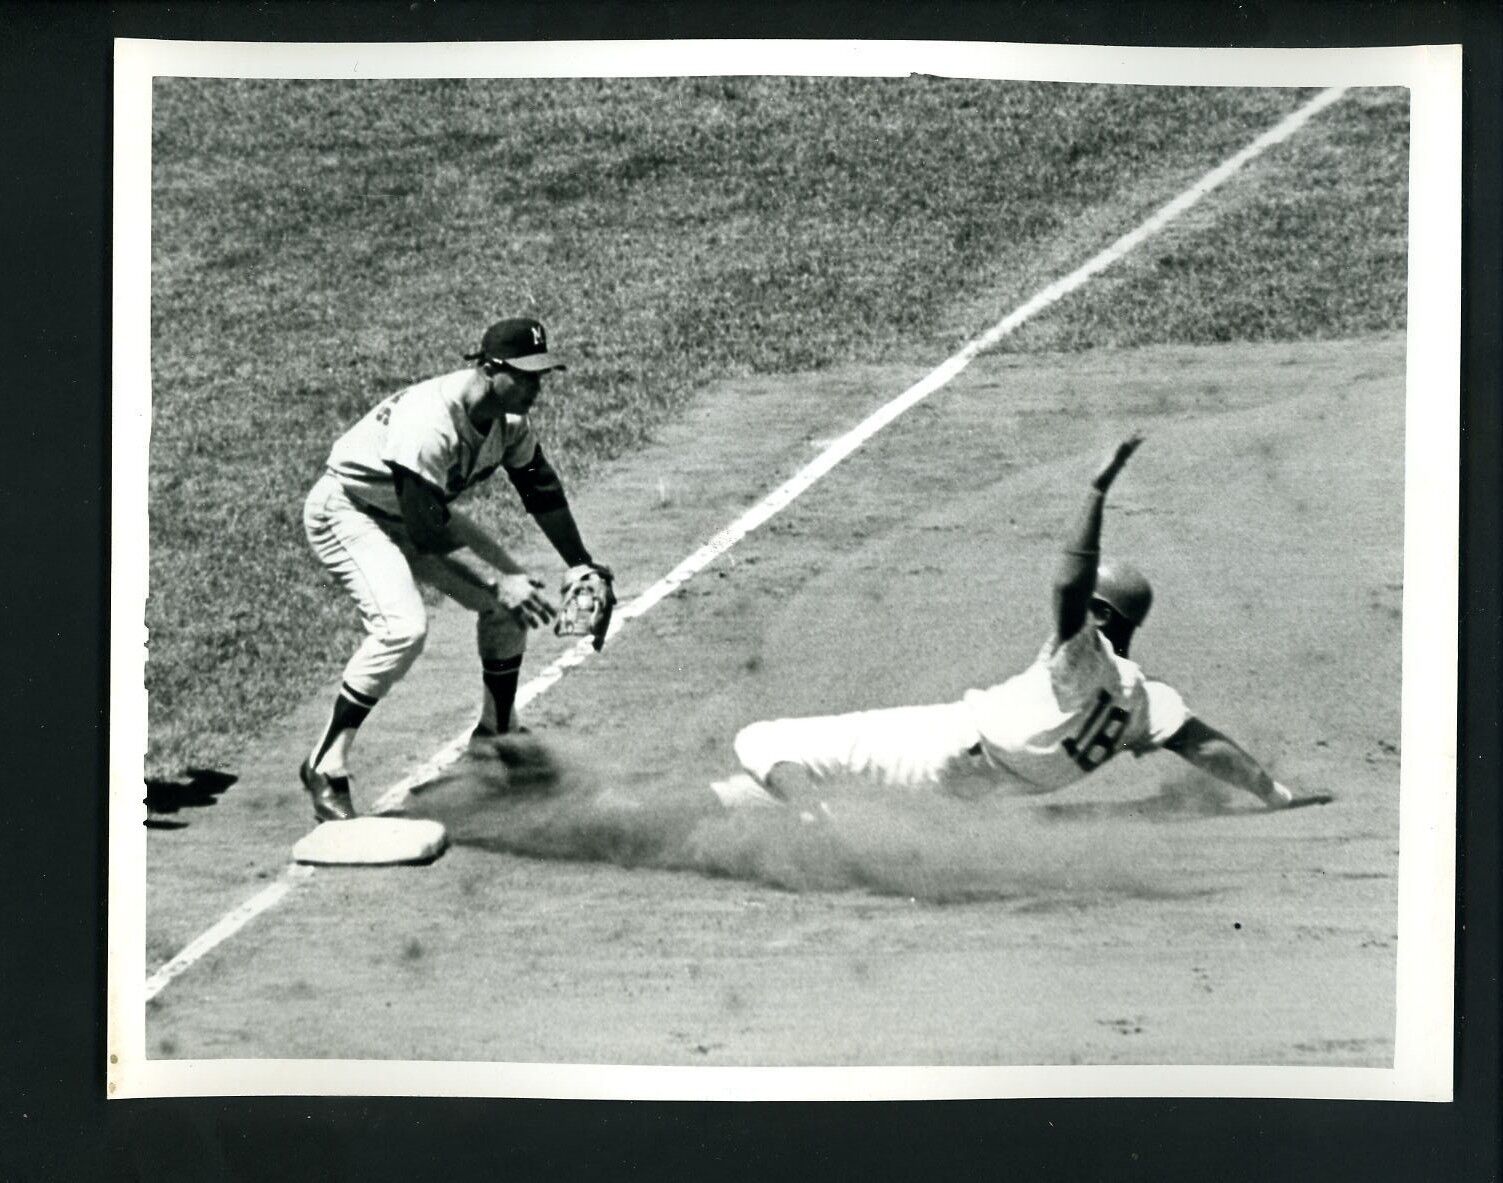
[
  {"x": 1073, "y": 709},
  {"x": 354, "y": 523}
]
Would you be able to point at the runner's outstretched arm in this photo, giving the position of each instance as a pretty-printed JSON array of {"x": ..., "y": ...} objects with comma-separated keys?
[
  {"x": 1075, "y": 579},
  {"x": 1216, "y": 753}
]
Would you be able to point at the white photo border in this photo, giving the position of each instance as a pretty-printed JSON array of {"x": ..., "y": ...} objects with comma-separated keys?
[{"x": 1423, "y": 1049}]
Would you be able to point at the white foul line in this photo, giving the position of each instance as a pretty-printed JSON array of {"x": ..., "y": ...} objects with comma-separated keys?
[
  {"x": 229, "y": 924},
  {"x": 726, "y": 538}
]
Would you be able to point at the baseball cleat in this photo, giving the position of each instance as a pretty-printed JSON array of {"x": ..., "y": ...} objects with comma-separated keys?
[
  {"x": 741, "y": 792},
  {"x": 330, "y": 794},
  {"x": 486, "y": 744}
]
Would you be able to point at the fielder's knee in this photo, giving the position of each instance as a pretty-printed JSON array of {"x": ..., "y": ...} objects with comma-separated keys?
[
  {"x": 499, "y": 636},
  {"x": 403, "y": 640},
  {"x": 385, "y": 655}
]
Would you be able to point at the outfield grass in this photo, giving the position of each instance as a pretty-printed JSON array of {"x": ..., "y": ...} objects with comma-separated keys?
[
  {"x": 1310, "y": 243},
  {"x": 317, "y": 245}
]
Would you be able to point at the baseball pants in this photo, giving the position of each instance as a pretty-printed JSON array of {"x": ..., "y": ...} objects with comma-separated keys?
[
  {"x": 378, "y": 565},
  {"x": 904, "y": 747}
]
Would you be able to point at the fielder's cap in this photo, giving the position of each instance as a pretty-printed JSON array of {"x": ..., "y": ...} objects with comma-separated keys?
[{"x": 519, "y": 342}]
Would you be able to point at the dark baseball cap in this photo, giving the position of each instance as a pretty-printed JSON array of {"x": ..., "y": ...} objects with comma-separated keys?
[{"x": 521, "y": 343}]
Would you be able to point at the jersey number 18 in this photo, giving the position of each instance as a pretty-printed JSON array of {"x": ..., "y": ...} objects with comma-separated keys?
[{"x": 1096, "y": 742}]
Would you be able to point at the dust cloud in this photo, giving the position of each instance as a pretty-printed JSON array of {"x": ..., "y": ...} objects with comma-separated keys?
[{"x": 534, "y": 803}]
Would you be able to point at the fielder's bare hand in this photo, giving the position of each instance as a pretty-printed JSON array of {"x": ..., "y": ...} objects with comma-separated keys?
[
  {"x": 523, "y": 597},
  {"x": 1119, "y": 459}
]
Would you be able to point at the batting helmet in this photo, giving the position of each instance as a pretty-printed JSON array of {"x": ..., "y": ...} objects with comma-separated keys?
[{"x": 1124, "y": 588}]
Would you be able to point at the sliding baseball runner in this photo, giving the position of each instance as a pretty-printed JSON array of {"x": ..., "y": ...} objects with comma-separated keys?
[{"x": 1080, "y": 704}]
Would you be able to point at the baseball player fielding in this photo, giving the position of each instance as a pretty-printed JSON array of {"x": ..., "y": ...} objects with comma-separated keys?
[{"x": 381, "y": 521}]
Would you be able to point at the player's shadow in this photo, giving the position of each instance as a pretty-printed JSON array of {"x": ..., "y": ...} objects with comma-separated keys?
[
  {"x": 1177, "y": 800},
  {"x": 199, "y": 788}
]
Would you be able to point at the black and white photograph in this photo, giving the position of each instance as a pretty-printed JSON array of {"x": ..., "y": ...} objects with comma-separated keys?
[{"x": 783, "y": 570}]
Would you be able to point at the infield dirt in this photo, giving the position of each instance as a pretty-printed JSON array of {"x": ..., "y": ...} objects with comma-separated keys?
[{"x": 603, "y": 909}]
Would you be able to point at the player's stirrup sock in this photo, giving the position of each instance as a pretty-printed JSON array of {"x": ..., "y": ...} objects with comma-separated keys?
[
  {"x": 500, "y": 675},
  {"x": 350, "y": 710}
]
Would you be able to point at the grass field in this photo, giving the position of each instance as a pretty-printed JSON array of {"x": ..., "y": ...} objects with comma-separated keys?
[{"x": 316, "y": 245}]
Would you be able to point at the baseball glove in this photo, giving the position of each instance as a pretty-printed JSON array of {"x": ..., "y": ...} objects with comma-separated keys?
[{"x": 588, "y": 600}]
